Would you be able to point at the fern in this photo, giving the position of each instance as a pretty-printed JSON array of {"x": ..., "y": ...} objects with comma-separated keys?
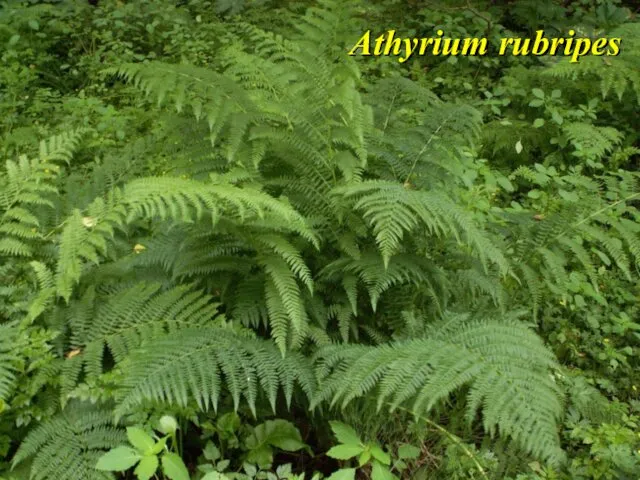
[
  {"x": 7, "y": 359},
  {"x": 28, "y": 185},
  {"x": 313, "y": 208},
  {"x": 68, "y": 446},
  {"x": 123, "y": 319},
  {"x": 394, "y": 210},
  {"x": 590, "y": 228},
  {"x": 83, "y": 237},
  {"x": 192, "y": 363},
  {"x": 617, "y": 75},
  {"x": 505, "y": 365},
  {"x": 591, "y": 142}
]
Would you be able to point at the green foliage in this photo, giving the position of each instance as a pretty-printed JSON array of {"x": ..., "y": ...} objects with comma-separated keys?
[
  {"x": 144, "y": 455},
  {"x": 351, "y": 446},
  {"x": 617, "y": 75},
  {"x": 189, "y": 364},
  {"x": 506, "y": 365},
  {"x": 69, "y": 444},
  {"x": 7, "y": 370}
]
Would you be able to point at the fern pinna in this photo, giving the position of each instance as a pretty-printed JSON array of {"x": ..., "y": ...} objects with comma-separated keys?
[{"x": 310, "y": 242}]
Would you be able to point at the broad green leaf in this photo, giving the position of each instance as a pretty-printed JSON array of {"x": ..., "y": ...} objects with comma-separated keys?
[
  {"x": 538, "y": 122},
  {"x": 343, "y": 474},
  {"x": 140, "y": 439},
  {"x": 518, "y": 146},
  {"x": 345, "y": 434},
  {"x": 380, "y": 472},
  {"x": 118, "y": 459},
  {"x": 380, "y": 455},
  {"x": 261, "y": 456},
  {"x": 272, "y": 433},
  {"x": 505, "y": 183},
  {"x": 399, "y": 465},
  {"x": 279, "y": 433},
  {"x": 345, "y": 452},
  {"x": 538, "y": 93},
  {"x": 535, "y": 194},
  {"x": 211, "y": 452},
  {"x": 286, "y": 437},
  {"x": 159, "y": 446},
  {"x": 568, "y": 196},
  {"x": 249, "y": 469},
  {"x": 147, "y": 467},
  {"x": 364, "y": 458},
  {"x": 283, "y": 470},
  {"x": 173, "y": 467}
]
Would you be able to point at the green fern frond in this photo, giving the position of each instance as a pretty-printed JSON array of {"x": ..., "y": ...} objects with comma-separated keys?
[
  {"x": 394, "y": 211},
  {"x": 505, "y": 366},
  {"x": 591, "y": 142},
  {"x": 26, "y": 186},
  {"x": 618, "y": 74},
  {"x": 122, "y": 320},
  {"x": 7, "y": 360},
  {"x": 84, "y": 238},
  {"x": 68, "y": 445},
  {"x": 46, "y": 291},
  {"x": 202, "y": 363}
]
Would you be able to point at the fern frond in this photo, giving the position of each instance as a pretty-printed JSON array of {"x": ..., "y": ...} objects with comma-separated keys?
[
  {"x": 618, "y": 74},
  {"x": 27, "y": 185},
  {"x": 591, "y": 142},
  {"x": 394, "y": 211},
  {"x": 199, "y": 363},
  {"x": 122, "y": 320},
  {"x": 84, "y": 238},
  {"x": 505, "y": 366},
  {"x": 7, "y": 360},
  {"x": 68, "y": 445}
]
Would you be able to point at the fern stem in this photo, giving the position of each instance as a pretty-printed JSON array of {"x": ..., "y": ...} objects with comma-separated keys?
[
  {"x": 603, "y": 209},
  {"x": 433, "y": 135},
  {"x": 55, "y": 229},
  {"x": 386, "y": 120},
  {"x": 594, "y": 214}
]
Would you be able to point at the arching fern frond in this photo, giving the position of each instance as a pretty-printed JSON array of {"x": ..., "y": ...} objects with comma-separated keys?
[
  {"x": 67, "y": 446},
  {"x": 27, "y": 185},
  {"x": 592, "y": 142},
  {"x": 84, "y": 238},
  {"x": 617, "y": 74},
  {"x": 121, "y": 320},
  {"x": 505, "y": 366},
  {"x": 394, "y": 211},
  {"x": 202, "y": 363}
]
